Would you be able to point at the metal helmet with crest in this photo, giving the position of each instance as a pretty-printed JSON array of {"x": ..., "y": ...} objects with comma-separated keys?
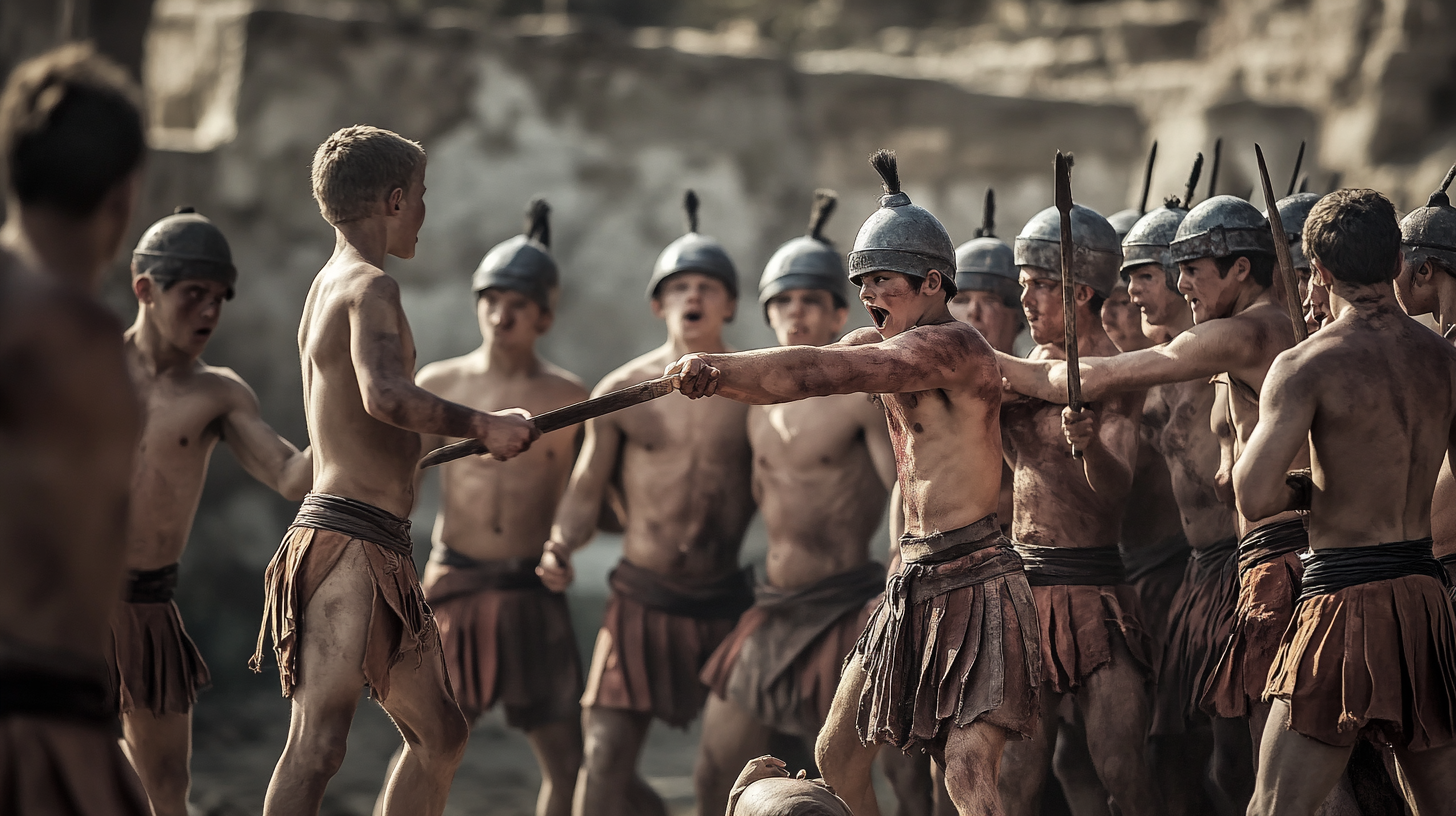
[
  {"x": 694, "y": 253},
  {"x": 986, "y": 263},
  {"x": 901, "y": 237},
  {"x": 523, "y": 263},
  {"x": 1221, "y": 227},
  {"x": 1430, "y": 231},
  {"x": 1293, "y": 212},
  {"x": 1096, "y": 252},
  {"x": 185, "y": 245},
  {"x": 1149, "y": 239},
  {"x": 809, "y": 261}
]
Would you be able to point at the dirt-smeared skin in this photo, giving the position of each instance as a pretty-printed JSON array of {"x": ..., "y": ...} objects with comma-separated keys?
[{"x": 1179, "y": 415}]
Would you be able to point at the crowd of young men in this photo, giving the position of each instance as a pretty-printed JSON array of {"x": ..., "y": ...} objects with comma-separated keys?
[{"x": 1196, "y": 593}]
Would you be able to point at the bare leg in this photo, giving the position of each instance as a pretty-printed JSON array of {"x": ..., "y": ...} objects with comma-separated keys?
[
  {"x": 1431, "y": 778},
  {"x": 607, "y": 784},
  {"x": 1115, "y": 705},
  {"x": 1296, "y": 773},
  {"x": 1233, "y": 766},
  {"x": 971, "y": 759},
  {"x": 843, "y": 760},
  {"x": 160, "y": 749},
  {"x": 558, "y": 751},
  {"x": 943, "y": 804},
  {"x": 330, "y": 660},
  {"x": 1072, "y": 763},
  {"x": 731, "y": 737},
  {"x": 909, "y": 777},
  {"x": 1028, "y": 761}
]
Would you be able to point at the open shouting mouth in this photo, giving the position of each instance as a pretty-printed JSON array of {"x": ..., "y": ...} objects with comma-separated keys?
[
  {"x": 692, "y": 317},
  {"x": 880, "y": 316}
]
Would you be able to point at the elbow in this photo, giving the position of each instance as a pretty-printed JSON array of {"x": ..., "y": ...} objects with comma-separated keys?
[
  {"x": 380, "y": 402},
  {"x": 1253, "y": 503}
]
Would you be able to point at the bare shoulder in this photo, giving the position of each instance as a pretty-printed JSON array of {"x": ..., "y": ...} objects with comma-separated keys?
[
  {"x": 562, "y": 384},
  {"x": 950, "y": 345},
  {"x": 225, "y": 383},
  {"x": 647, "y": 367},
  {"x": 349, "y": 284},
  {"x": 862, "y": 336},
  {"x": 441, "y": 374}
]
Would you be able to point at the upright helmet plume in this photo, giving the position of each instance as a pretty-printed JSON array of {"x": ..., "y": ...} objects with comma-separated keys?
[
  {"x": 988, "y": 216},
  {"x": 1294, "y": 177},
  {"x": 1213, "y": 174},
  {"x": 538, "y": 225},
  {"x": 884, "y": 163},
  {"x": 690, "y": 203},
  {"x": 1192, "y": 188},
  {"x": 1304, "y": 183},
  {"x": 824, "y": 203},
  {"x": 1148, "y": 178},
  {"x": 1439, "y": 198}
]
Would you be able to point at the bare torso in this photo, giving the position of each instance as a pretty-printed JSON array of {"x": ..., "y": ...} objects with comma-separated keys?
[
  {"x": 1179, "y": 416},
  {"x": 1055, "y": 506},
  {"x": 68, "y": 430},
  {"x": 1385, "y": 400},
  {"x": 685, "y": 475},
  {"x": 1443, "y": 512},
  {"x": 355, "y": 455},
  {"x": 821, "y": 469},
  {"x": 1151, "y": 515},
  {"x": 491, "y": 509}
]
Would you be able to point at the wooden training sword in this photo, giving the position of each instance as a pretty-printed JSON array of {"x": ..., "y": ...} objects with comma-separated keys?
[
  {"x": 561, "y": 418},
  {"x": 1289, "y": 282},
  {"x": 1069, "y": 294}
]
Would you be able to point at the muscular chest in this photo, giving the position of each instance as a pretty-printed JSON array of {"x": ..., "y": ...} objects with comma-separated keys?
[
  {"x": 808, "y": 434},
  {"x": 675, "y": 425},
  {"x": 1183, "y": 418},
  {"x": 1032, "y": 429},
  {"x": 178, "y": 421}
]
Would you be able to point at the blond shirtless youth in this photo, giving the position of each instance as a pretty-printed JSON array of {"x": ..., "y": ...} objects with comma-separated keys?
[
  {"x": 1371, "y": 653},
  {"x": 343, "y": 604},
  {"x": 182, "y": 273},
  {"x": 959, "y": 603},
  {"x": 822, "y": 468},
  {"x": 507, "y": 638},
  {"x": 683, "y": 470},
  {"x": 73, "y": 141}
]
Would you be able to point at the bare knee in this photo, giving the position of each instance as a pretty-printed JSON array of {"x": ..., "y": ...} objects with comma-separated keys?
[{"x": 444, "y": 743}]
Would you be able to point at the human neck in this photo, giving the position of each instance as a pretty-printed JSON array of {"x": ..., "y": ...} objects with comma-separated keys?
[
  {"x": 1181, "y": 321},
  {"x": 1445, "y": 309},
  {"x": 1089, "y": 334},
  {"x": 508, "y": 361},
  {"x": 679, "y": 345},
  {"x": 156, "y": 353},
  {"x": 368, "y": 238},
  {"x": 1362, "y": 299},
  {"x": 60, "y": 246}
]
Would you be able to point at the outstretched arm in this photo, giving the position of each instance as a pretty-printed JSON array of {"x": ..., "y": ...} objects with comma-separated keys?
[
  {"x": 1286, "y": 412},
  {"x": 262, "y": 452},
  {"x": 376, "y": 344},
  {"x": 917, "y": 360},
  {"x": 581, "y": 506}
]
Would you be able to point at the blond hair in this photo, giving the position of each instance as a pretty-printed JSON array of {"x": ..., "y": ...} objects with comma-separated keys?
[{"x": 355, "y": 169}]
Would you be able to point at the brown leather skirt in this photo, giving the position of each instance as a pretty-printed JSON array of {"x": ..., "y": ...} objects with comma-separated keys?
[
  {"x": 153, "y": 663},
  {"x": 955, "y": 642},
  {"x": 784, "y": 658},
  {"x": 1269, "y": 571},
  {"x": 1375, "y": 660},
  {"x": 54, "y": 767},
  {"x": 1200, "y": 622},
  {"x": 655, "y": 639},
  {"x": 400, "y": 623},
  {"x": 1078, "y": 624},
  {"x": 507, "y": 639}
]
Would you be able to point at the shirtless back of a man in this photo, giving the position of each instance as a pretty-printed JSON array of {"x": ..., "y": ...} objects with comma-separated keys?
[{"x": 1374, "y": 392}]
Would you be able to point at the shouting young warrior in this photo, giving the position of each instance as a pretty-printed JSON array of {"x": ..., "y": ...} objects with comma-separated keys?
[
  {"x": 684, "y": 473},
  {"x": 343, "y": 603},
  {"x": 182, "y": 271},
  {"x": 1225, "y": 257},
  {"x": 821, "y": 471},
  {"x": 1371, "y": 653},
  {"x": 949, "y": 662},
  {"x": 1427, "y": 285},
  {"x": 507, "y": 638},
  {"x": 1067, "y": 527},
  {"x": 71, "y": 132}
]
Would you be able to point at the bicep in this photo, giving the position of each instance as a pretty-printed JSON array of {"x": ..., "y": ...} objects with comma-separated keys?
[
  {"x": 376, "y": 336},
  {"x": 1286, "y": 412},
  {"x": 1191, "y": 355}
]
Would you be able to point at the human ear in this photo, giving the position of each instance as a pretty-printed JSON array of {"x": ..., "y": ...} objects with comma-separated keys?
[{"x": 396, "y": 196}]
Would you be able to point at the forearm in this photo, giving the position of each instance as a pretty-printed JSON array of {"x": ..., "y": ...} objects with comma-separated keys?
[
  {"x": 296, "y": 477},
  {"x": 576, "y": 519},
  {"x": 405, "y": 405},
  {"x": 1107, "y": 473},
  {"x": 1039, "y": 379},
  {"x": 771, "y": 376}
]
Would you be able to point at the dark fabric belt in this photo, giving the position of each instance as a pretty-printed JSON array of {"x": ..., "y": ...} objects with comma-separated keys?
[
  {"x": 38, "y": 692},
  {"x": 726, "y": 597},
  {"x": 1072, "y": 566},
  {"x": 152, "y": 586},
  {"x": 1217, "y": 553},
  {"x": 1271, "y": 541},
  {"x": 927, "y": 548},
  {"x": 494, "y": 573},
  {"x": 919, "y": 581},
  {"x": 854, "y": 585},
  {"x": 1333, "y": 569},
  {"x": 355, "y": 519},
  {"x": 1143, "y": 561}
]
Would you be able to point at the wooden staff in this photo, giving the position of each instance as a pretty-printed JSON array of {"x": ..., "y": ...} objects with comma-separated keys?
[
  {"x": 1069, "y": 295},
  {"x": 1289, "y": 282}
]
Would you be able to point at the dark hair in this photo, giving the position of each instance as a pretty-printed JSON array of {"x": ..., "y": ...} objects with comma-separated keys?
[
  {"x": 947, "y": 284},
  {"x": 1355, "y": 235},
  {"x": 1261, "y": 266},
  {"x": 71, "y": 129},
  {"x": 1095, "y": 304}
]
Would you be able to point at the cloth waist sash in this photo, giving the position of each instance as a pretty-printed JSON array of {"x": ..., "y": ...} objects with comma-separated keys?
[
  {"x": 935, "y": 547},
  {"x": 855, "y": 585},
  {"x": 1217, "y": 553},
  {"x": 355, "y": 519},
  {"x": 1330, "y": 570},
  {"x": 152, "y": 586},
  {"x": 960, "y": 563},
  {"x": 31, "y": 690},
  {"x": 1271, "y": 541},
  {"x": 469, "y": 576},
  {"x": 1144, "y": 560},
  {"x": 726, "y": 597},
  {"x": 1077, "y": 566}
]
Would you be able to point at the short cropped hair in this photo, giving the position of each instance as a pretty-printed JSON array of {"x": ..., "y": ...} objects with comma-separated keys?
[
  {"x": 71, "y": 129},
  {"x": 1261, "y": 266},
  {"x": 357, "y": 168},
  {"x": 1355, "y": 235}
]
